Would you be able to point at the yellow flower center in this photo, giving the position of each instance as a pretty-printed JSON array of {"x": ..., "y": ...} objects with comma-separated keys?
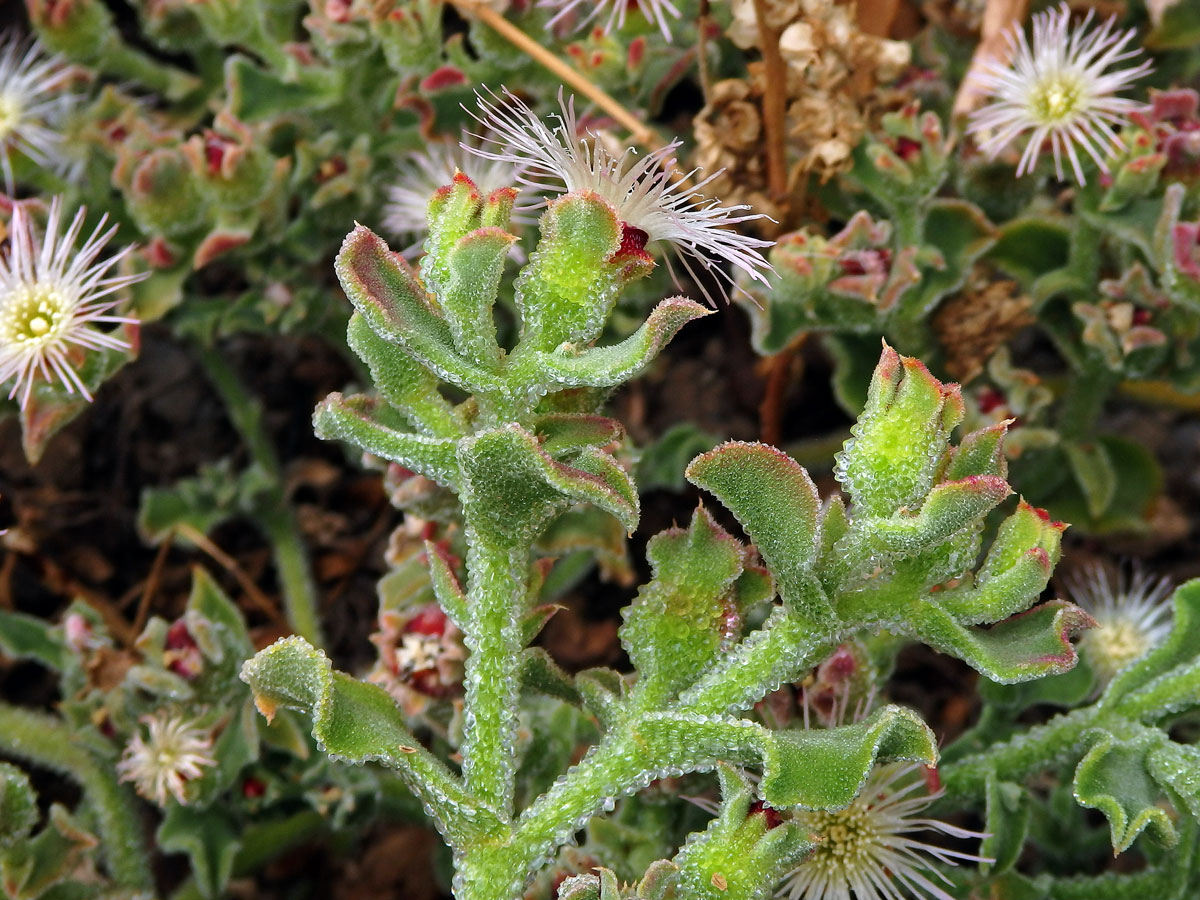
[
  {"x": 32, "y": 316},
  {"x": 1057, "y": 98},
  {"x": 849, "y": 838},
  {"x": 1112, "y": 645},
  {"x": 10, "y": 114}
]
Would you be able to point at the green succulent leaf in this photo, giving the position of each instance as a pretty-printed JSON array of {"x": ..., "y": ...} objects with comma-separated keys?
[
  {"x": 1008, "y": 811},
  {"x": 29, "y": 637},
  {"x": 615, "y": 364},
  {"x": 739, "y": 856},
  {"x": 392, "y": 301},
  {"x": 210, "y": 839},
  {"x": 512, "y": 487},
  {"x": 406, "y": 384},
  {"x": 1164, "y": 680},
  {"x": 776, "y": 503},
  {"x": 358, "y": 722},
  {"x": 18, "y": 806},
  {"x": 358, "y": 421},
  {"x": 814, "y": 769},
  {"x": 1026, "y": 646},
  {"x": 896, "y": 448},
  {"x": 1113, "y": 778},
  {"x": 680, "y": 619}
]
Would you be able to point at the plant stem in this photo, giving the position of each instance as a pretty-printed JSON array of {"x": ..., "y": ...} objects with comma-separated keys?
[
  {"x": 1018, "y": 758},
  {"x": 610, "y": 769},
  {"x": 496, "y": 594},
  {"x": 46, "y": 741},
  {"x": 774, "y": 105},
  {"x": 1083, "y": 401},
  {"x": 117, "y": 58},
  {"x": 638, "y": 130},
  {"x": 274, "y": 515}
]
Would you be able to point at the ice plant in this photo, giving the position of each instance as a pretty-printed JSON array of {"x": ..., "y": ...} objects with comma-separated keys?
[
  {"x": 866, "y": 850},
  {"x": 655, "y": 11},
  {"x": 1060, "y": 87},
  {"x": 31, "y": 103},
  {"x": 53, "y": 295},
  {"x": 1131, "y": 614},
  {"x": 174, "y": 751},
  {"x": 654, "y": 202},
  {"x": 527, "y": 448}
]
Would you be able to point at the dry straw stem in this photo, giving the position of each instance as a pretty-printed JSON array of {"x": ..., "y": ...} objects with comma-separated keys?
[
  {"x": 638, "y": 130},
  {"x": 998, "y": 17},
  {"x": 774, "y": 105}
]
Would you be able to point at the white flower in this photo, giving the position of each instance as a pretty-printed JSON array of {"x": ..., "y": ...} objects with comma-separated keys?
[
  {"x": 655, "y": 11},
  {"x": 51, "y": 297},
  {"x": 1058, "y": 89},
  {"x": 175, "y": 752},
  {"x": 865, "y": 850},
  {"x": 1131, "y": 616},
  {"x": 421, "y": 174},
  {"x": 31, "y": 105},
  {"x": 648, "y": 194}
]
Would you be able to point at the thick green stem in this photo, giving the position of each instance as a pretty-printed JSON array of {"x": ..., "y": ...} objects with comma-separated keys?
[
  {"x": 496, "y": 593},
  {"x": 46, "y": 741},
  {"x": 118, "y": 58},
  {"x": 610, "y": 771},
  {"x": 1083, "y": 401},
  {"x": 274, "y": 515},
  {"x": 780, "y": 652},
  {"x": 1019, "y": 758}
]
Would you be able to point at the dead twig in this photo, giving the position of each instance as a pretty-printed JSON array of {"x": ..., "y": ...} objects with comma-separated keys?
[
  {"x": 998, "y": 17},
  {"x": 638, "y": 130},
  {"x": 774, "y": 106},
  {"x": 230, "y": 565},
  {"x": 779, "y": 376},
  {"x": 152, "y": 581}
]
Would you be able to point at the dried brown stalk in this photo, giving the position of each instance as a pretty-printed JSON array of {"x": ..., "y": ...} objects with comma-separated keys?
[
  {"x": 638, "y": 130},
  {"x": 998, "y": 17},
  {"x": 774, "y": 105}
]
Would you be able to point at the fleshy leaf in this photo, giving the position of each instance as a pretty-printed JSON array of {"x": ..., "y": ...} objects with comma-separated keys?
[
  {"x": 18, "y": 805},
  {"x": 404, "y": 383},
  {"x": 817, "y": 769},
  {"x": 677, "y": 625},
  {"x": 387, "y": 294},
  {"x": 1112, "y": 778},
  {"x": 358, "y": 722},
  {"x": 1133, "y": 690},
  {"x": 512, "y": 487},
  {"x": 1023, "y": 647},
  {"x": 893, "y": 455},
  {"x": 209, "y": 837},
  {"x": 355, "y": 420},
  {"x": 740, "y": 856},
  {"x": 1008, "y": 812},
  {"x": 567, "y": 290},
  {"x": 617, "y": 363},
  {"x": 776, "y": 503},
  {"x": 29, "y": 637}
]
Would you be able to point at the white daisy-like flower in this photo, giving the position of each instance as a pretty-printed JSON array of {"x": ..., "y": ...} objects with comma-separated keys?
[
  {"x": 655, "y": 11},
  {"x": 649, "y": 193},
  {"x": 866, "y": 850},
  {"x": 174, "y": 752},
  {"x": 52, "y": 297},
  {"x": 1059, "y": 87},
  {"x": 421, "y": 174},
  {"x": 1131, "y": 613},
  {"x": 32, "y": 103}
]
